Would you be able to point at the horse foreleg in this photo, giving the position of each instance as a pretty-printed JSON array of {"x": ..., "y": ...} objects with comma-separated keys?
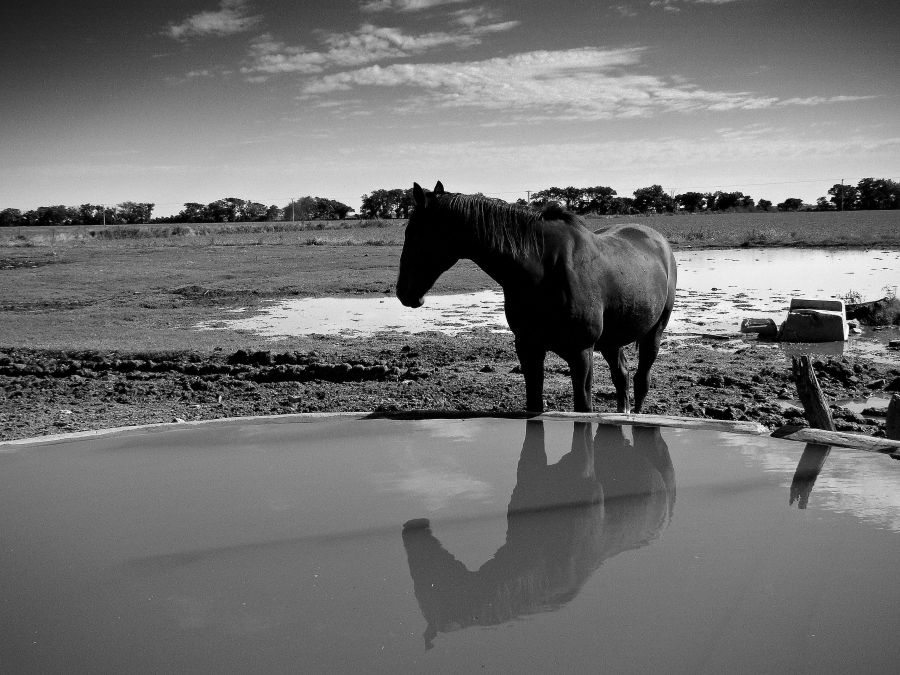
[
  {"x": 531, "y": 359},
  {"x": 618, "y": 370},
  {"x": 581, "y": 366}
]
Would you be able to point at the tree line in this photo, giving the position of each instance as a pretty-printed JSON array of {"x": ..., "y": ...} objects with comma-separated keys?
[
  {"x": 867, "y": 194},
  {"x": 226, "y": 210}
]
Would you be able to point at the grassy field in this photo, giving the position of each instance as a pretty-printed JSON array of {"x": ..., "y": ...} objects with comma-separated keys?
[
  {"x": 143, "y": 287},
  {"x": 728, "y": 230},
  {"x": 713, "y": 230}
]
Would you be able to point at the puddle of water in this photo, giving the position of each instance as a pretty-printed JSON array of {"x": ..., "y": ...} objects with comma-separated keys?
[
  {"x": 857, "y": 405},
  {"x": 451, "y": 314},
  {"x": 716, "y": 289}
]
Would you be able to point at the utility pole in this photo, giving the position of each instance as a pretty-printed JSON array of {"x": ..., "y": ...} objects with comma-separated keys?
[
  {"x": 842, "y": 194},
  {"x": 292, "y": 209}
]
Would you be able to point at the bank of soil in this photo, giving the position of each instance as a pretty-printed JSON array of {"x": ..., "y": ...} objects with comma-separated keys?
[{"x": 51, "y": 391}]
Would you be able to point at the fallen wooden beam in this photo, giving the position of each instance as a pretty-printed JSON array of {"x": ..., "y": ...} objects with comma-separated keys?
[
  {"x": 840, "y": 439},
  {"x": 641, "y": 419}
]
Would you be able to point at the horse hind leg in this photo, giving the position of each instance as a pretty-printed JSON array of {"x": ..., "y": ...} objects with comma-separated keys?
[
  {"x": 648, "y": 348},
  {"x": 618, "y": 370}
]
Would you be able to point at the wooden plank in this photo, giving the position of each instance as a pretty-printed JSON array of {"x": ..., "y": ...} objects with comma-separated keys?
[
  {"x": 839, "y": 438},
  {"x": 738, "y": 427}
]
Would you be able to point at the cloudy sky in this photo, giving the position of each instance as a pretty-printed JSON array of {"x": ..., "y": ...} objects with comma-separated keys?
[{"x": 193, "y": 100}]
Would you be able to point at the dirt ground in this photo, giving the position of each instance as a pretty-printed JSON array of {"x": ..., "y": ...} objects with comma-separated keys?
[{"x": 50, "y": 391}]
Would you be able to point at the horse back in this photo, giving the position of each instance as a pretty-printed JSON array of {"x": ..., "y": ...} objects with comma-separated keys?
[{"x": 633, "y": 256}]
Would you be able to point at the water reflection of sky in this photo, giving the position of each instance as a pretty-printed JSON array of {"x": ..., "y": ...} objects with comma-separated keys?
[{"x": 852, "y": 482}]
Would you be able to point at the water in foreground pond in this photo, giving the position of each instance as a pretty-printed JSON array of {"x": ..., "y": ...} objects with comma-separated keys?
[
  {"x": 716, "y": 289},
  {"x": 531, "y": 546}
]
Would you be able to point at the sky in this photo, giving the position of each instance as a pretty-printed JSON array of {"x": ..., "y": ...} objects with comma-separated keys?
[{"x": 175, "y": 101}]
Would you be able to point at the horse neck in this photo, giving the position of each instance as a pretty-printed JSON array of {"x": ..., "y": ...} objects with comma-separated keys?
[{"x": 504, "y": 261}]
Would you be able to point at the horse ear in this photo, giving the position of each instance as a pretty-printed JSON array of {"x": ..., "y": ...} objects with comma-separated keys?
[
  {"x": 438, "y": 188},
  {"x": 419, "y": 197}
]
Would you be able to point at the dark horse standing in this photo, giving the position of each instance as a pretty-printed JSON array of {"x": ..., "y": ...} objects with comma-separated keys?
[{"x": 566, "y": 289}]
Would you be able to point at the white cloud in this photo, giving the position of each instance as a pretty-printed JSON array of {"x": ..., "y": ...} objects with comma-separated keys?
[
  {"x": 819, "y": 100},
  {"x": 574, "y": 84},
  {"x": 232, "y": 17},
  {"x": 368, "y": 44},
  {"x": 672, "y": 5},
  {"x": 404, "y": 5},
  {"x": 625, "y": 11},
  {"x": 586, "y": 83}
]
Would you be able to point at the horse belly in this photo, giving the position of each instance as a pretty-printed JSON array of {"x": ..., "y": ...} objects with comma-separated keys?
[{"x": 553, "y": 322}]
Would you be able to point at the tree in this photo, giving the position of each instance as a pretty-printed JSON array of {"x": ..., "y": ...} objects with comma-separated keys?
[
  {"x": 252, "y": 212},
  {"x": 623, "y": 206},
  {"x": 844, "y": 197},
  {"x": 653, "y": 199},
  {"x": 822, "y": 204},
  {"x": 691, "y": 201},
  {"x": 572, "y": 198},
  {"x": 134, "y": 212},
  {"x": 316, "y": 208},
  {"x": 790, "y": 204},
  {"x": 597, "y": 199},
  {"x": 878, "y": 193},
  {"x": 9, "y": 217},
  {"x": 341, "y": 210},
  {"x": 729, "y": 201},
  {"x": 394, "y": 203},
  {"x": 764, "y": 205},
  {"x": 193, "y": 212},
  {"x": 745, "y": 201},
  {"x": 56, "y": 215}
]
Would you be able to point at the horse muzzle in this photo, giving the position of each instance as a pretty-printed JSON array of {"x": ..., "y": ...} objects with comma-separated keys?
[{"x": 411, "y": 302}]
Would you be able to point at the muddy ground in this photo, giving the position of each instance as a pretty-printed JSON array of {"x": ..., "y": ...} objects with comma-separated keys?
[{"x": 51, "y": 391}]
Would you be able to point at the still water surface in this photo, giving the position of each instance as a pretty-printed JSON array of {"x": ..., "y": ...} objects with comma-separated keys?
[
  {"x": 716, "y": 289},
  {"x": 551, "y": 546}
]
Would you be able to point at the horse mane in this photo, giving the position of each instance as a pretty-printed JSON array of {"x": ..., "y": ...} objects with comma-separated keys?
[{"x": 504, "y": 227}]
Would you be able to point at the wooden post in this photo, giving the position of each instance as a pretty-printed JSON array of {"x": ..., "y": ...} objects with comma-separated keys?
[
  {"x": 892, "y": 426},
  {"x": 815, "y": 407}
]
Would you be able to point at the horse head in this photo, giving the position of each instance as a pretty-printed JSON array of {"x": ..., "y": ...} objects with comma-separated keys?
[{"x": 427, "y": 247}]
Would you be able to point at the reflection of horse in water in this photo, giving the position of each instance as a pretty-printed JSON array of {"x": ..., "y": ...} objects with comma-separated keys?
[{"x": 564, "y": 520}]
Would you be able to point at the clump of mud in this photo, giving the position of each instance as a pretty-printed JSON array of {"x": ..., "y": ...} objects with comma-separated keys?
[{"x": 884, "y": 312}]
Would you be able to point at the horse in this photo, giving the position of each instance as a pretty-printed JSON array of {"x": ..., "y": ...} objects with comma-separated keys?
[{"x": 566, "y": 289}]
